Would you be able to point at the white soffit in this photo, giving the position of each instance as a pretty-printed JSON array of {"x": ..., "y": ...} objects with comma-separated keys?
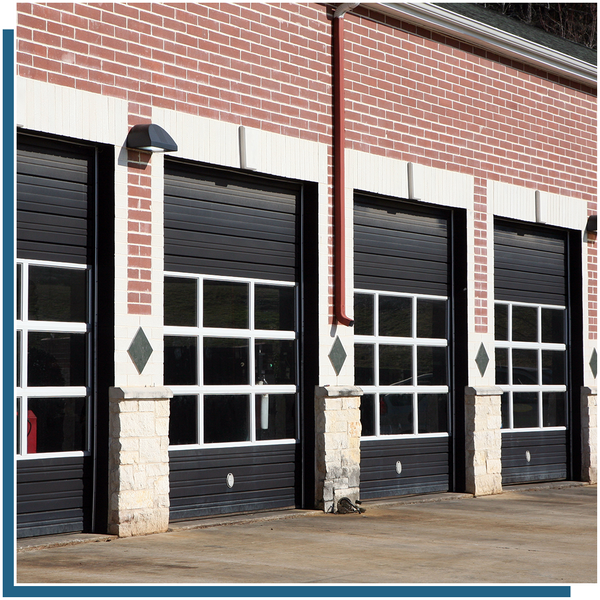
[{"x": 479, "y": 34}]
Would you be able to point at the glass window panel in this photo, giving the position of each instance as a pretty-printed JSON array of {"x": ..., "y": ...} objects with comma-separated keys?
[
  {"x": 431, "y": 318},
  {"x": 364, "y": 306},
  {"x": 274, "y": 307},
  {"x": 395, "y": 414},
  {"x": 226, "y": 419},
  {"x": 275, "y": 361},
  {"x": 524, "y": 324},
  {"x": 275, "y": 416},
  {"x": 553, "y": 409},
  {"x": 181, "y": 360},
  {"x": 501, "y": 322},
  {"x": 18, "y": 361},
  {"x": 431, "y": 366},
  {"x": 525, "y": 367},
  {"x": 504, "y": 410},
  {"x": 18, "y": 291},
  {"x": 225, "y": 304},
  {"x": 56, "y": 359},
  {"x": 395, "y": 365},
  {"x": 501, "y": 366},
  {"x": 367, "y": 414},
  {"x": 183, "y": 420},
  {"x": 433, "y": 413},
  {"x": 553, "y": 326},
  {"x": 553, "y": 367},
  {"x": 181, "y": 302},
  {"x": 18, "y": 432},
  {"x": 56, "y": 425},
  {"x": 57, "y": 294},
  {"x": 364, "y": 364},
  {"x": 226, "y": 361},
  {"x": 525, "y": 409},
  {"x": 395, "y": 316}
]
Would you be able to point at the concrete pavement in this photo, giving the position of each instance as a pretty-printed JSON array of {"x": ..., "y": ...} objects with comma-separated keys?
[{"x": 543, "y": 534}]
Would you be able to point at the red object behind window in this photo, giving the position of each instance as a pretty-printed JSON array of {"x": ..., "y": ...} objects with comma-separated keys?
[{"x": 31, "y": 432}]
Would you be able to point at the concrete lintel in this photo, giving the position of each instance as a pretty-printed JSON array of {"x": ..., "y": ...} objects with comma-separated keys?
[
  {"x": 140, "y": 393},
  {"x": 482, "y": 390},
  {"x": 338, "y": 391}
]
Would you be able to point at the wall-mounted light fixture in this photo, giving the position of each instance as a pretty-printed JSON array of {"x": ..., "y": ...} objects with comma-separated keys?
[
  {"x": 150, "y": 138},
  {"x": 592, "y": 224}
]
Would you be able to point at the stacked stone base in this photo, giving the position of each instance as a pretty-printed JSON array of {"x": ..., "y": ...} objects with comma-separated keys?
[{"x": 589, "y": 434}]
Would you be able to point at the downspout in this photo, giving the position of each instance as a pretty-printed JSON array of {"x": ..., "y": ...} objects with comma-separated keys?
[{"x": 339, "y": 179}]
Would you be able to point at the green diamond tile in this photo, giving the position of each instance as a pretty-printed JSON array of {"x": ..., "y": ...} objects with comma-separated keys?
[
  {"x": 482, "y": 359},
  {"x": 594, "y": 363},
  {"x": 337, "y": 356},
  {"x": 140, "y": 350}
]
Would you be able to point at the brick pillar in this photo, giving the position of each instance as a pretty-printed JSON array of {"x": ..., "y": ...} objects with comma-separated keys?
[
  {"x": 589, "y": 434},
  {"x": 138, "y": 460},
  {"x": 337, "y": 435},
  {"x": 483, "y": 440}
]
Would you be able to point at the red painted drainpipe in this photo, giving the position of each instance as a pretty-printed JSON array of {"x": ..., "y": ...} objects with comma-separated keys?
[{"x": 339, "y": 182}]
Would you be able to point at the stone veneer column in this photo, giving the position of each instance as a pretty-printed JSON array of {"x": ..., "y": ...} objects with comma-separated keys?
[
  {"x": 589, "y": 434},
  {"x": 139, "y": 460},
  {"x": 337, "y": 440},
  {"x": 483, "y": 440}
]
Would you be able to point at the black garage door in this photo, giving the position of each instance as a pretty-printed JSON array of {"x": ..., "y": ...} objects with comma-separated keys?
[
  {"x": 232, "y": 340},
  {"x": 402, "y": 346},
  {"x": 532, "y": 350}
]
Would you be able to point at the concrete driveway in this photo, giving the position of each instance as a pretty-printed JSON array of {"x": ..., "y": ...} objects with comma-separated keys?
[{"x": 541, "y": 535}]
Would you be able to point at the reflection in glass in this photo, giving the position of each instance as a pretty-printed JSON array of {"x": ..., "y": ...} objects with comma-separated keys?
[
  {"x": 275, "y": 361},
  {"x": 56, "y": 425},
  {"x": 225, "y": 304},
  {"x": 525, "y": 367},
  {"x": 553, "y": 409},
  {"x": 553, "y": 367},
  {"x": 367, "y": 414},
  {"x": 275, "y": 416},
  {"x": 364, "y": 364},
  {"x": 553, "y": 326},
  {"x": 395, "y": 316},
  {"x": 181, "y": 302},
  {"x": 56, "y": 359},
  {"x": 364, "y": 314},
  {"x": 395, "y": 414},
  {"x": 395, "y": 365},
  {"x": 504, "y": 409},
  {"x": 524, "y": 324},
  {"x": 182, "y": 420},
  {"x": 57, "y": 294},
  {"x": 274, "y": 307},
  {"x": 433, "y": 413},
  {"x": 431, "y": 366},
  {"x": 226, "y": 361},
  {"x": 181, "y": 360},
  {"x": 501, "y": 366},
  {"x": 525, "y": 409},
  {"x": 431, "y": 318},
  {"x": 501, "y": 322},
  {"x": 226, "y": 419}
]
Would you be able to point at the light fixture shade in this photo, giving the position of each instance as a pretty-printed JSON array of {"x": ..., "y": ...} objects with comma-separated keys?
[{"x": 150, "y": 138}]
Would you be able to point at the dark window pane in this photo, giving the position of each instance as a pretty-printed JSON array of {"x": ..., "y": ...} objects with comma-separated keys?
[
  {"x": 181, "y": 360},
  {"x": 274, "y": 308},
  {"x": 395, "y": 316},
  {"x": 367, "y": 414},
  {"x": 431, "y": 366},
  {"x": 395, "y": 365},
  {"x": 183, "y": 420},
  {"x": 275, "y": 416},
  {"x": 525, "y": 367},
  {"x": 225, "y": 304},
  {"x": 395, "y": 414},
  {"x": 56, "y": 359},
  {"x": 553, "y": 326},
  {"x": 433, "y": 413},
  {"x": 553, "y": 409},
  {"x": 18, "y": 291},
  {"x": 181, "y": 302},
  {"x": 275, "y": 361},
  {"x": 501, "y": 366},
  {"x": 525, "y": 409},
  {"x": 501, "y": 322},
  {"x": 524, "y": 324},
  {"x": 226, "y": 419},
  {"x": 504, "y": 410},
  {"x": 364, "y": 364},
  {"x": 56, "y": 425},
  {"x": 18, "y": 432},
  {"x": 553, "y": 367},
  {"x": 431, "y": 318},
  {"x": 363, "y": 314},
  {"x": 226, "y": 361},
  {"x": 57, "y": 294},
  {"x": 18, "y": 357}
]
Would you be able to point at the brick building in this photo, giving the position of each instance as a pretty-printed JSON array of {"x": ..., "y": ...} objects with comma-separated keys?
[{"x": 274, "y": 255}]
